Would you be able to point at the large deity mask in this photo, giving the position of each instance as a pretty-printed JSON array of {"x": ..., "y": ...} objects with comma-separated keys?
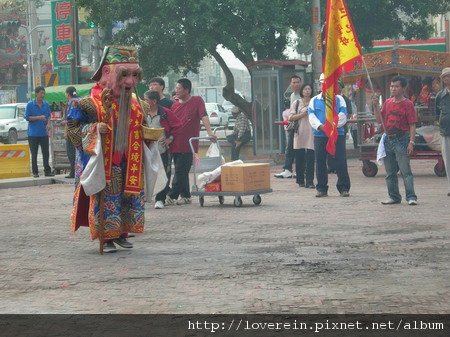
[{"x": 119, "y": 70}]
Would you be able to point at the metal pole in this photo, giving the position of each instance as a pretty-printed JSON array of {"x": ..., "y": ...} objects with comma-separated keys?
[
  {"x": 30, "y": 51},
  {"x": 317, "y": 41},
  {"x": 29, "y": 65},
  {"x": 96, "y": 48},
  {"x": 32, "y": 24},
  {"x": 447, "y": 36},
  {"x": 74, "y": 45}
]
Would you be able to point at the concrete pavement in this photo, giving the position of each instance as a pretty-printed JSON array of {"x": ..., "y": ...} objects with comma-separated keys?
[{"x": 293, "y": 254}]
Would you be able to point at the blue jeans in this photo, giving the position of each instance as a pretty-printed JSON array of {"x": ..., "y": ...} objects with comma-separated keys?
[
  {"x": 235, "y": 151},
  {"x": 396, "y": 157}
]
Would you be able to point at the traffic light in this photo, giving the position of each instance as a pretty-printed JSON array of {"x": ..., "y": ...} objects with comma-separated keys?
[{"x": 91, "y": 24}]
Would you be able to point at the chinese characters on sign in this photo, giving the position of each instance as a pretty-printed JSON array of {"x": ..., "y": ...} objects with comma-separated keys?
[{"x": 62, "y": 32}]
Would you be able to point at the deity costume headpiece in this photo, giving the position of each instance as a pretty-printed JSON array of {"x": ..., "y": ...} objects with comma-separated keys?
[{"x": 115, "y": 54}]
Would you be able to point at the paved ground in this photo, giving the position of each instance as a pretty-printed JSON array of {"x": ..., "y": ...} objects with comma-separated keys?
[{"x": 294, "y": 253}]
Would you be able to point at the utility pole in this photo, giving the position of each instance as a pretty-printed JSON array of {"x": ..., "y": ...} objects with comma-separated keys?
[
  {"x": 96, "y": 48},
  {"x": 34, "y": 44},
  {"x": 30, "y": 58},
  {"x": 447, "y": 35},
  {"x": 317, "y": 41},
  {"x": 30, "y": 72},
  {"x": 28, "y": 66}
]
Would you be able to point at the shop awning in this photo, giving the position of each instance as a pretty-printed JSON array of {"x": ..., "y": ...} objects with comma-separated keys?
[
  {"x": 400, "y": 61},
  {"x": 58, "y": 93}
]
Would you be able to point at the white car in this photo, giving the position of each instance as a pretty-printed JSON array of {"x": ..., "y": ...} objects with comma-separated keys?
[
  {"x": 12, "y": 124},
  {"x": 217, "y": 114}
]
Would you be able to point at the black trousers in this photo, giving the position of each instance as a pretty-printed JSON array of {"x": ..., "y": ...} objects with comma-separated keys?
[
  {"x": 355, "y": 138},
  {"x": 340, "y": 164},
  {"x": 34, "y": 143},
  {"x": 167, "y": 161},
  {"x": 70, "y": 149},
  {"x": 180, "y": 182},
  {"x": 289, "y": 152},
  {"x": 304, "y": 166}
]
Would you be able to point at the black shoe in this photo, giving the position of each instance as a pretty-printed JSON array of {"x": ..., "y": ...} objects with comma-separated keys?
[
  {"x": 301, "y": 185},
  {"x": 35, "y": 175},
  {"x": 109, "y": 247},
  {"x": 123, "y": 242},
  {"x": 321, "y": 194},
  {"x": 345, "y": 194},
  {"x": 49, "y": 174},
  {"x": 310, "y": 185}
]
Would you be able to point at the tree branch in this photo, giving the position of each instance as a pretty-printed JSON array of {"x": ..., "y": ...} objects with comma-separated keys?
[{"x": 228, "y": 90}]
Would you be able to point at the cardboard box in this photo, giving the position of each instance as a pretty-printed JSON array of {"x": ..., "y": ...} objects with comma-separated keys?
[{"x": 245, "y": 177}]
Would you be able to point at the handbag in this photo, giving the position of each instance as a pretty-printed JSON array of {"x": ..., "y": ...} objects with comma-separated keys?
[{"x": 293, "y": 126}]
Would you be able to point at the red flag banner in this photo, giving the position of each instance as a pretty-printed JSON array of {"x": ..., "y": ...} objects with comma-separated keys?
[{"x": 342, "y": 49}]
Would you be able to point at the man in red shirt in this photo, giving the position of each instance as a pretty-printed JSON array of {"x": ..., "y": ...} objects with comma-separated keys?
[
  {"x": 190, "y": 110},
  {"x": 398, "y": 119}
]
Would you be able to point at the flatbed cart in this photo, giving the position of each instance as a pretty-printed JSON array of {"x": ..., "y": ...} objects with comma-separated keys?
[
  {"x": 211, "y": 163},
  {"x": 368, "y": 142}
]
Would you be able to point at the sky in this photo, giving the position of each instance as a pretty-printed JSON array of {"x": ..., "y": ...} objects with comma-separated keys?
[
  {"x": 233, "y": 62},
  {"x": 229, "y": 58}
]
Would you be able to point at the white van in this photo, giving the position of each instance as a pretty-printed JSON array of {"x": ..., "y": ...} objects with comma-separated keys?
[{"x": 13, "y": 126}]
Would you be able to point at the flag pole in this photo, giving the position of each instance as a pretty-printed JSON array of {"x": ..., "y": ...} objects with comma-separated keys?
[
  {"x": 371, "y": 85},
  {"x": 367, "y": 73}
]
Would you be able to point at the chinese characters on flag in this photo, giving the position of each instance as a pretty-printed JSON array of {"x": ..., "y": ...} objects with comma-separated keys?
[
  {"x": 342, "y": 50},
  {"x": 62, "y": 32}
]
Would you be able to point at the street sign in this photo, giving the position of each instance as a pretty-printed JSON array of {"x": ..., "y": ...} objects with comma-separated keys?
[{"x": 62, "y": 32}]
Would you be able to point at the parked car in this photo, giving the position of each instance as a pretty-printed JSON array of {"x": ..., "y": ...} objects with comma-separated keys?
[
  {"x": 217, "y": 114},
  {"x": 13, "y": 126},
  {"x": 227, "y": 105}
]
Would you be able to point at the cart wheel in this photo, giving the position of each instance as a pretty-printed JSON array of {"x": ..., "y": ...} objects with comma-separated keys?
[
  {"x": 439, "y": 169},
  {"x": 221, "y": 199},
  {"x": 369, "y": 169},
  {"x": 237, "y": 201},
  {"x": 257, "y": 199},
  {"x": 201, "y": 200}
]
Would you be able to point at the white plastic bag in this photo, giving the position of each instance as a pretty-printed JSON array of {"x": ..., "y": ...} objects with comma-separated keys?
[
  {"x": 93, "y": 178},
  {"x": 213, "y": 150},
  {"x": 155, "y": 175}
]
